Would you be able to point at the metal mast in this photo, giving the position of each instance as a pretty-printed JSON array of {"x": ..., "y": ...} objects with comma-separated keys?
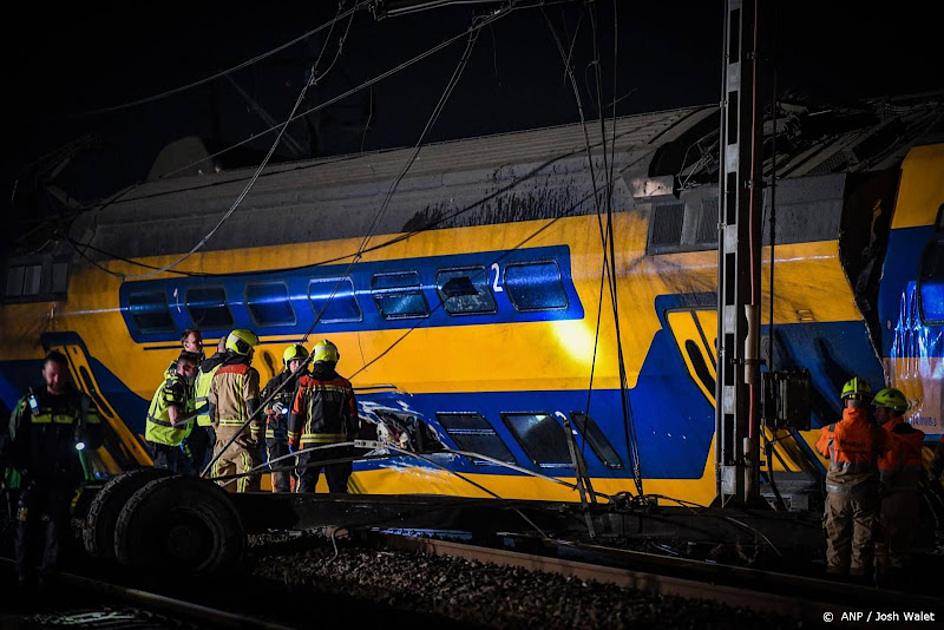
[{"x": 740, "y": 201}]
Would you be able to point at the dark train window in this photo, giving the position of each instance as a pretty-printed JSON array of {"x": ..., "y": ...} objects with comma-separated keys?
[
  {"x": 473, "y": 433},
  {"x": 269, "y": 304},
  {"x": 541, "y": 437},
  {"x": 465, "y": 291},
  {"x": 931, "y": 284},
  {"x": 398, "y": 295},
  {"x": 208, "y": 309},
  {"x": 597, "y": 440},
  {"x": 535, "y": 286},
  {"x": 149, "y": 311},
  {"x": 334, "y": 296},
  {"x": 666, "y": 230}
]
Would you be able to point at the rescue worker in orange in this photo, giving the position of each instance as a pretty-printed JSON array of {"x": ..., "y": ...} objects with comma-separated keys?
[
  {"x": 233, "y": 399},
  {"x": 852, "y": 446},
  {"x": 900, "y": 473},
  {"x": 324, "y": 412}
]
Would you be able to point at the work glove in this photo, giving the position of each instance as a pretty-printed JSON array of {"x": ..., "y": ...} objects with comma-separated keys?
[{"x": 279, "y": 409}]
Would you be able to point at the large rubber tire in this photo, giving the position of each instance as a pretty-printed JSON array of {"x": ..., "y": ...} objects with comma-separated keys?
[
  {"x": 180, "y": 525},
  {"x": 98, "y": 532}
]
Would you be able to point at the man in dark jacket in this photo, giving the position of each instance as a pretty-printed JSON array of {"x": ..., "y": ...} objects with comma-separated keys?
[
  {"x": 283, "y": 385},
  {"x": 49, "y": 433},
  {"x": 324, "y": 413}
]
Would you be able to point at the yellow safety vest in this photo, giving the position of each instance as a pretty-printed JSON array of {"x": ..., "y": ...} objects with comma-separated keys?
[
  {"x": 202, "y": 392},
  {"x": 159, "y": 428}
]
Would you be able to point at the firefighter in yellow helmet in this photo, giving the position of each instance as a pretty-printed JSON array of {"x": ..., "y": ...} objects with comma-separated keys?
[
  {"x": 852, "y": 447},
  {"x": 324, "y": 412},
  {"x": 233, "y": 399},
  {"x": 900, "y": 474},
  {"x": 283, "y": 386}
]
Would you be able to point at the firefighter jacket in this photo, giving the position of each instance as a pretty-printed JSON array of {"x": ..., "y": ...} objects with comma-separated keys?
[
  {"x": 277, "y": 423},
  {"x": 208, "y": 368},
  {"x": 324, "y": 410},
  {"x": 175, "y": 391},
  {"x": 41, "y": 444},
  {"x": 234, "y": 396},
  {"x": 900, "y": 466},
  {"x": 852, "y": 446}
]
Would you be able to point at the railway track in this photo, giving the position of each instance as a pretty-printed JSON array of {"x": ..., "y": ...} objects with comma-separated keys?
[
  {"x": 803, "y": 598},
  {"x": 83, "y": 602}
]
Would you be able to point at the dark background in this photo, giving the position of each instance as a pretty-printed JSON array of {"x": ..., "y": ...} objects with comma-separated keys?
[{"x": 82, "y": 56}]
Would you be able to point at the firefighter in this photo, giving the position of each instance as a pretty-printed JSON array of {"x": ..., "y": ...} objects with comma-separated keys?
[
  {"x": 324, "y": 412},
  {"x": 233, "y": 400},
  {"x": 203, "y": 437},
  {"x": 900, "y": 473},
  {"x": 277, "y": 410},
  {"x": 852, "y": 447},
  {"x": 50, "y": 433},
  {"x": 170, "y": 417}
]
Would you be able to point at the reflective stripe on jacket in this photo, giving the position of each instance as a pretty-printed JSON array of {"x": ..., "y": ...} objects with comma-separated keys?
[
  {"x": 173, "y": 392},
  {"x": 233, "y": 390},
  {"x": 900, "y": 466},
  {"x": 324, "y": 410},
  {"x": 852, "y": 446}
]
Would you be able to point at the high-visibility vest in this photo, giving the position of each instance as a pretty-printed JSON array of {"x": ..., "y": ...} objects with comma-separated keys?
[
  {"x": 159, "y": 428},
  {"x": 900, "y": 467},
  {"x": 202, "y": 391},
  {"x": 852, "y": 446}
]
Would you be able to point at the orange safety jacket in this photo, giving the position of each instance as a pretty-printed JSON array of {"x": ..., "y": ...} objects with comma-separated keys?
[
  {"x": 852, "y": 446},
  {"x": 900, "y": 466}
]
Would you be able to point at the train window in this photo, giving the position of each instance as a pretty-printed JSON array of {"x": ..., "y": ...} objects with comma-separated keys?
[
  {"x": 473, "y": 433},
  {"x": 666, "y": 230},
  {"x": 597, "y": 440},
  {"x": 149, "y": 311},
  {"x": 535, "y": 286},
  {"x": 398, "y": 295},
  {"x": 208, "y": 309},
  {"x": 465, "y": 291},
  {"x": 269, "y": 304},
  {"x": 541, "y": 437},
  {"x": 334, "y": 300},
  {"x": 931, "y": 284}
]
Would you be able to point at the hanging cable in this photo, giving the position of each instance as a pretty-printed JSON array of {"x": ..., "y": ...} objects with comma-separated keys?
[
  {"x": 311, "y": 81},
  {"x": 161, "y": 95}
]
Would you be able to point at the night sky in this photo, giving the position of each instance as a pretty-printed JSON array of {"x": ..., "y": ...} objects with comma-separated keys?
[{"x": 84, "y": 56}]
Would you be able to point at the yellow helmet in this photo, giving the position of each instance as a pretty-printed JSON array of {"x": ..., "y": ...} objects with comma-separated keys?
[
  {"x": 294, "y": 351},
  {"x": 891, "y": 398},
  {"x": 325, "y": 351},
  {"x": 857, "y": 389},
  {"x": 241, "y": 341}
]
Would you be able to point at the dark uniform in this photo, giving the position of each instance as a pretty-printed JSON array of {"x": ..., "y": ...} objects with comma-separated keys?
[
  {"x": 276, "y": 432},
  {"x": 324, "y": 412},
  {"x": 41, "y": 444}
]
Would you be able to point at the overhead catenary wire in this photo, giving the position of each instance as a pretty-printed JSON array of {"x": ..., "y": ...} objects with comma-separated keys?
[
  {"x": 251, "y": 61},
  {"x": 434, "y": 116},
  {"x": 312, "y": 80}
]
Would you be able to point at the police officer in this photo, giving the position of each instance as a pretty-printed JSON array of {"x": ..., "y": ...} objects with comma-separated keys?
[
  {"x": 203, "y": 437},
  {"x": 170, "y": 417},
  {"x": 50, "y": 433},
  {"x": 900, "y": 470},
  {"x": 324, "y": 412},
  {"x": 277, "y": 410},
  {"x": 852, "y": 447},
  {"x": 233, "y": 399}
]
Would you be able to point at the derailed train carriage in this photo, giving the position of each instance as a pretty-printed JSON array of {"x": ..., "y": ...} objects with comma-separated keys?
[{"x": 478, "y": 312}]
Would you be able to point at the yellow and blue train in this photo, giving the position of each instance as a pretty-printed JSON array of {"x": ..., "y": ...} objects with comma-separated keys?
[{"x": 474, "y": 308}]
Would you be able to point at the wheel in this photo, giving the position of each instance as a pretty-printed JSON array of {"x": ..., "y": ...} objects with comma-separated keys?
[
  {"x": 181, "y": 525},
  {"x": 98, "y": 531}
]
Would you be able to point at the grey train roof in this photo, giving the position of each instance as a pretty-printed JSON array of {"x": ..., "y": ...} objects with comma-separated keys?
[{"x": 523, "y": 175}]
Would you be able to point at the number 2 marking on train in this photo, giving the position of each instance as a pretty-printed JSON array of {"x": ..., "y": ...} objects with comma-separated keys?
[{"x": 495, "y": 286}]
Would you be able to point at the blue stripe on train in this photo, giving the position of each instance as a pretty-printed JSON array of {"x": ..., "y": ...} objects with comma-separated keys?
[{"x": 493, "y": 267}]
